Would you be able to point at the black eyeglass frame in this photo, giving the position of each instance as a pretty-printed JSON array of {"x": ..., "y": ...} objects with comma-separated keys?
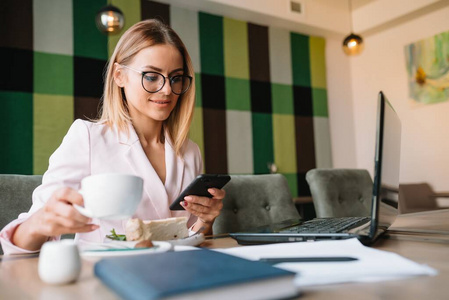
[{"x": 163, "y": 84}]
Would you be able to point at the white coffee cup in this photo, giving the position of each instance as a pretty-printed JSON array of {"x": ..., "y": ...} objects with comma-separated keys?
[
  {"x": 59, "y": 262},
  {"x": 110, "y": 196}
]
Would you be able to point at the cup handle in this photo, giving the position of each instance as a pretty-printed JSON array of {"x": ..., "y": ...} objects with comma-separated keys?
[{"x": 84, "y": 211}]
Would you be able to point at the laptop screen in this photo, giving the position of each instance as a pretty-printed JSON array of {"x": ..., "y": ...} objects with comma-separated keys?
[
  {"x": 387, "y": 165},
  {"x": 383, "y": 208}
]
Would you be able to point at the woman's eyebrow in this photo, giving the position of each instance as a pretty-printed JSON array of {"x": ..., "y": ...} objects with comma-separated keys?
[
  {"x": 152, "y": 67},
  {"x": 176, "y": 70},
  {"x": 160, "y": 70}
]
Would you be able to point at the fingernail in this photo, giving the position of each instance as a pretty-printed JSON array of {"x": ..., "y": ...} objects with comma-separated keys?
[
  {"x": 187, "y": 198},
  {"x": 212, "y": 191},
  {"x": 94, "y": 227},
  {"x": 184, "y": 203}
]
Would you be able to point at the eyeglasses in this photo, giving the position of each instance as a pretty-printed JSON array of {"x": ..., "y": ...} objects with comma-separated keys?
[{"x": 153, "y": 82}]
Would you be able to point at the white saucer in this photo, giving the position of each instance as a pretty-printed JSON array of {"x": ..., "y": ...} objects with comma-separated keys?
[
  {"x": 119, "y": 248},
  {"x": 193, "y": 240}
]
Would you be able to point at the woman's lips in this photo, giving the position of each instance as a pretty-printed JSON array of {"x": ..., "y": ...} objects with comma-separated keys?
[{"x": 160, "y": 101}]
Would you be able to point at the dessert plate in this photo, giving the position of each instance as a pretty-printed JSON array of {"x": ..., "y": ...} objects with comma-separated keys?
[
  {"x": 96, "y": 251},
  {"x": 193, "y": 240}
]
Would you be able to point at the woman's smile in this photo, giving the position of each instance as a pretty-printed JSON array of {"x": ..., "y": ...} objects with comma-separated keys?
[{"x": 160, "y": 102}]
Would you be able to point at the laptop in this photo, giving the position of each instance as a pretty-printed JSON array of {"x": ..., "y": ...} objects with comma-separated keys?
[{"x": 366, "y": 228}]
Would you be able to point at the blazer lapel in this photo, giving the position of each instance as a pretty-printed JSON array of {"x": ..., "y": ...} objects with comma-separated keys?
[
  {"x": 139, "y": 163},
  {"x": 174, "y": 166}
]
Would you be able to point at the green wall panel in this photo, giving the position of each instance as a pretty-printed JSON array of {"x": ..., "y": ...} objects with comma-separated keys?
[
  {"x": 262, "y": 142},
  {"x": 211, "y": 44},
  {"x": 236, "y": 48},
  {"x": 319, "y": 98},
  {"x": 300, "y": 59},
  {"x": 52, "y": 117},
  {"x": 282, "y": 98},
  {"x": 284, "y": 143},
  {"x": 88, "y": 41},
  {"x": 196, "y": 133},
  {"x": 53, "y": 74},
  {"x": 16, "y": 130},
  {"x": 237, "y": 94},
  {"x": 292, "y": 180},
  {"x": 317, "y": 62}
]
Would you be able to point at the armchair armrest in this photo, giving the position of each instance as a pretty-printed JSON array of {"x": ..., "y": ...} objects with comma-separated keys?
[{"x": 440, "y": 195}]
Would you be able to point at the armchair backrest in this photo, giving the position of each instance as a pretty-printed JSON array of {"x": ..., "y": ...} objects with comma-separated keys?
[
  {"x": 15, "y": 195},
  {"x": 255, "y": 200},
  {"x": 340, "y": 192}
]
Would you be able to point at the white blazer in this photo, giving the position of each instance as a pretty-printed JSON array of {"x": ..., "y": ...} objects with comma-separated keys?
[{"x": 93, "y": 148}]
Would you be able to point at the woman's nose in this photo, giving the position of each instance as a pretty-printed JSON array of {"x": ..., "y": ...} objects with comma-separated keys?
[{"x": 166, "y": 89}]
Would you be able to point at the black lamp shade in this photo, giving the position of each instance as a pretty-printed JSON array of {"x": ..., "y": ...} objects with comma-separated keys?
[
  {"x": 353, "y": 44},
  {"x": 110, "y": 20}
]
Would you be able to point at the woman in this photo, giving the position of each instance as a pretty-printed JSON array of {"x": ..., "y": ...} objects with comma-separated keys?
[{"x": 148, "y": 104}]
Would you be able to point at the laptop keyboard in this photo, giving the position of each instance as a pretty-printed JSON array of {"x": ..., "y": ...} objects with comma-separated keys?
[{"x": 327, "y": 225}]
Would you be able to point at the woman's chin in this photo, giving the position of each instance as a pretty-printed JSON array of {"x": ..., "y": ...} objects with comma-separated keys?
[{"x": 160, "y": 117}]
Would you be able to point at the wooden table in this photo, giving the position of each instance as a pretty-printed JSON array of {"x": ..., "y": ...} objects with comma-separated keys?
[{"x": 19, "y": 278}]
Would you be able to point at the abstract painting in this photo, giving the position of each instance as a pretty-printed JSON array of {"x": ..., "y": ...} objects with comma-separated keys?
[{"x": 428, "y": 69}]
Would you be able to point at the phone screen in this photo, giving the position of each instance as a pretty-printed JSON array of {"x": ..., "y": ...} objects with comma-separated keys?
[{"x": 199, "y": 187}]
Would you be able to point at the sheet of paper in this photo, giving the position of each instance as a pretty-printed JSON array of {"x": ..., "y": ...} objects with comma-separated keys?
[
  {"x": 185, "y": 248},
  {"x": 371, "y": 264}
]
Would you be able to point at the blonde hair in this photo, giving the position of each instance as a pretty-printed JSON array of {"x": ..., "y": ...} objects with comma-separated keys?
[{"x": 114, "y": 111}]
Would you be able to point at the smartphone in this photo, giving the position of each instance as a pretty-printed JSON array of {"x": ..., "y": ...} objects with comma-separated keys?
[{"x": 199, "y": 187}]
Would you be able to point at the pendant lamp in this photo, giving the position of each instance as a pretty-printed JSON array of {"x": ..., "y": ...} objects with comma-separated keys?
[
  {"x": 353, "y": 43},
  {"x": 110, "y": 20}
]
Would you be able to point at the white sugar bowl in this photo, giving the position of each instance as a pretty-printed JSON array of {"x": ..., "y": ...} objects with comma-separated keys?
[{"x": 59, "y": 262}]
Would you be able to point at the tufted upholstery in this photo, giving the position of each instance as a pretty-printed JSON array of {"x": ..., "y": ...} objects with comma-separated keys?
[
  {"x": 340, "y": 192},
  {"x": 15, "y": 195},
  {"x": 255, "y": 200}
]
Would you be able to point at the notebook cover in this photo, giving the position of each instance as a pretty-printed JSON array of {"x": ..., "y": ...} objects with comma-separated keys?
[{"x": 156, "y": 276}]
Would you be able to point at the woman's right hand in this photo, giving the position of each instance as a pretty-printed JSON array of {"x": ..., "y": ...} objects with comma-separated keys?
[{"x": 58, "y": 216}]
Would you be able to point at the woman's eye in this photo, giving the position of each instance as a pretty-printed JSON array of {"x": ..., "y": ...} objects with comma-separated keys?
[
  {"x": 176, "y": 79},
  {"x": 151, "y": 78}
]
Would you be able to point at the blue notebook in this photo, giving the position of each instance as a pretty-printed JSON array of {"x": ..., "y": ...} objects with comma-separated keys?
[{"x": 195, "y": 274}]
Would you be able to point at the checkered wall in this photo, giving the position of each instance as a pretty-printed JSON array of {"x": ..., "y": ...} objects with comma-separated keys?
[{"x": 261, "y": 91}]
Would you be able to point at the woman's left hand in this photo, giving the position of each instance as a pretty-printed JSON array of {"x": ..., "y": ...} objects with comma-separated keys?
[{"x": 206, "y": 209}]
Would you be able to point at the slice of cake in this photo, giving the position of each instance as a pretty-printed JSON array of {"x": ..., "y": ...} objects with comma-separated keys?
[{"x": 156, "y": 230}]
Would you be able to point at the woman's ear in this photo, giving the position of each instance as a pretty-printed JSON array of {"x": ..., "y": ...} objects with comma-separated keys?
[{"x": 118, "y": 75}]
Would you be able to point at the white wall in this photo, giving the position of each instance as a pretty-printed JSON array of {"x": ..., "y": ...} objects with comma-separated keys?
[
  {"x": 341, "y": 121},
  {"x": 380, "y": 12},
  {"x": 425, "y": 129},
  {"x": 319, "y": 17}
]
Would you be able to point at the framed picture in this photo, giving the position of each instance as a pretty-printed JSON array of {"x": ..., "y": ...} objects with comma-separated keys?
[{"x": 428, "y": 69}]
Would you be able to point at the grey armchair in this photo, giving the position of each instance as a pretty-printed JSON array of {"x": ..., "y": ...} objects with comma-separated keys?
[
  {"x": 15, "y": 196},
  {"x": 255, "y": 200},
  {"x": 414, "y": 197},
  {"x": 340, "y": 192}
]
